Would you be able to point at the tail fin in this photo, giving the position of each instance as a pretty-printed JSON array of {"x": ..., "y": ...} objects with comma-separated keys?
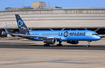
[{"x": 21, "y": 25}]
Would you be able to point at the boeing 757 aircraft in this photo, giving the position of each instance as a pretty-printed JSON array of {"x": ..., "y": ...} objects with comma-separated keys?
[{"x": 51, "y": 37}]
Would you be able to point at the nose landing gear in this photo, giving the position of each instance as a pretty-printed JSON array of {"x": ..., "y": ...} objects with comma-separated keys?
[{"x": 88, "y": 45}]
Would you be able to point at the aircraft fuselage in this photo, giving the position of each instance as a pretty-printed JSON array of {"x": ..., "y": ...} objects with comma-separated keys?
[{"x": 80, "y": 35}]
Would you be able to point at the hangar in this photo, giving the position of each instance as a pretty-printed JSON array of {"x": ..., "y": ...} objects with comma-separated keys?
[{"x": 39, "y": 18}]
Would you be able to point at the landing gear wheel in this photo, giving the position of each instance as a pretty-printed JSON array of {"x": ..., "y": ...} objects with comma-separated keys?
[
  {"x": 88, "y": 44},
  {"x": 46, "y": 44},
  {"x": 59, "y": 43}
]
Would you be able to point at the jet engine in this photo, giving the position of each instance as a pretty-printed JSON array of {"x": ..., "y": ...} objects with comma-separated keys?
[
  {"x": 3, "y": 33},
  {"x": 73, "y": 42},
  {"x": 50, "y": 41}
]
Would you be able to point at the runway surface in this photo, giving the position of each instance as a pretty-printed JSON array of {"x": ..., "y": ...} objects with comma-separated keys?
[{"x": 32, "y": 54}]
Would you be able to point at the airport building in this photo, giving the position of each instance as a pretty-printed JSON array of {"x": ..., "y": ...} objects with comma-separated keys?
[{"x": 39, "y": 17}]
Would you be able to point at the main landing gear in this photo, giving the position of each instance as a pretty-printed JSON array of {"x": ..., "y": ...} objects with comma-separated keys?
[
  {"x": 46, "y": 44},
  {"x": 59, "y": 43}
]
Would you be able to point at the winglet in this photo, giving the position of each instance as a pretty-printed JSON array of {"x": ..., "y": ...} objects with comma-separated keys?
[{"x": 6, "y": 30}]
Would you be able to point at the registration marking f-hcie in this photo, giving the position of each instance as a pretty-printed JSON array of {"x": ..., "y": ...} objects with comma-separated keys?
[{"x": 51, "y": 37}]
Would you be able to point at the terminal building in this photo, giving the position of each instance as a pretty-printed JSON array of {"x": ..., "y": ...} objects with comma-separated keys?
[{"x": 39, "y": 17}]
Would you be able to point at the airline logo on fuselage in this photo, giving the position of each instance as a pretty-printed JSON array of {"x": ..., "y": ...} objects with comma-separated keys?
[{"x": 66, "y": 33}]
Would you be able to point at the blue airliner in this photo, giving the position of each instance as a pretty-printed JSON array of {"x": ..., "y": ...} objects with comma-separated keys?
[{"x": 53, "y": 36}]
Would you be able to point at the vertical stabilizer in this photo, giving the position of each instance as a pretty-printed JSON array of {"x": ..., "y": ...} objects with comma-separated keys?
[{"x": 21, "y": 25}]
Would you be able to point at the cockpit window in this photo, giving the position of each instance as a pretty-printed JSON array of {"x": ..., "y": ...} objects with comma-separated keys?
[{"x": 94, "y": 34}]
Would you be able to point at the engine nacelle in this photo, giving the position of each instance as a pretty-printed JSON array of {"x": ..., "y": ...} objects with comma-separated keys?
[
  {"x": 73, "y": 42},
  {"x": 3, "y": 33},
  {"x": 50, "y": 41}
]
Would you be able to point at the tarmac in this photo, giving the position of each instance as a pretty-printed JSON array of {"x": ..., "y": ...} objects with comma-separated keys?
[{"x": 32, "y": 54}]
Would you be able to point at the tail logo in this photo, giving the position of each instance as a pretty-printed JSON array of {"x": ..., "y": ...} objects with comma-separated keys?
[{"x": 20, "y": 23}]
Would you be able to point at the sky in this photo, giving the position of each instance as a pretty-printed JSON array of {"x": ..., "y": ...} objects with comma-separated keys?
[{"x": 60, "y": 3}]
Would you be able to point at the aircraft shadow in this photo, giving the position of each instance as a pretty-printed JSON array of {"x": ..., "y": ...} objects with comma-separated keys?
[{"x": 71, "y": 47}]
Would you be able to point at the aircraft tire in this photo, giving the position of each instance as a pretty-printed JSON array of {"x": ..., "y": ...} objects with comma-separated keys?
[
  {"x": 59, "y": 44},
  {"x": 46, "y": 44}
]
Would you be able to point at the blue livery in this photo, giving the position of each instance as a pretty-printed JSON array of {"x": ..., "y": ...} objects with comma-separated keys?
[{"x": 51, "y": 37}]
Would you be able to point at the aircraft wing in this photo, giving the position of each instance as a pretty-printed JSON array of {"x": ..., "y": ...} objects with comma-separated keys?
[
  {"x": 35, "y": 36},
  {"x": 31, "y": 36}
]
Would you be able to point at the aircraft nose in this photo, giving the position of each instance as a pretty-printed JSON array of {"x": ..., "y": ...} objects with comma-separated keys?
[{"x": 98, "y": 37}]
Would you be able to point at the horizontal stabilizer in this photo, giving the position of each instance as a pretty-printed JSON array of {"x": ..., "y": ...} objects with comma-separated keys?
[{"x": 6, "y": 30}]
